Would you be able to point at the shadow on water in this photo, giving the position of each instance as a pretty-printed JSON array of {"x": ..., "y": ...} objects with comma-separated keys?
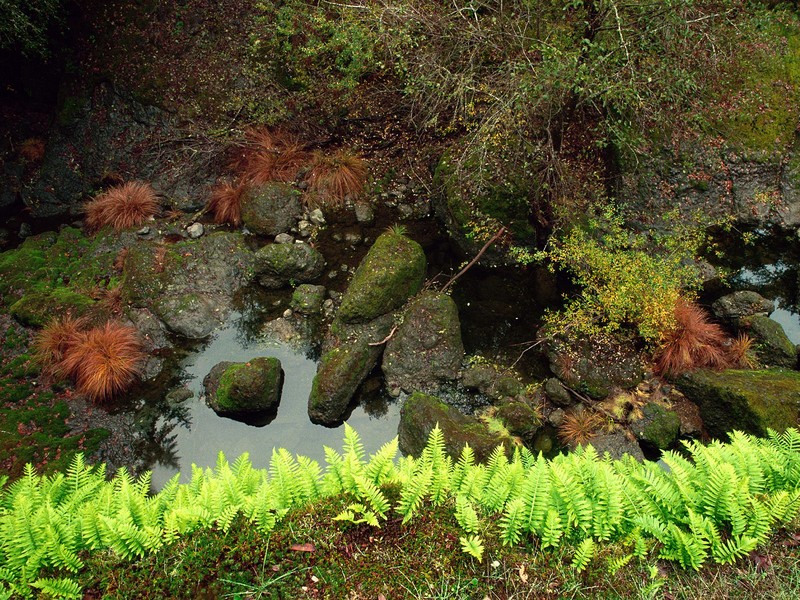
[{"x": 769, "y": 265}]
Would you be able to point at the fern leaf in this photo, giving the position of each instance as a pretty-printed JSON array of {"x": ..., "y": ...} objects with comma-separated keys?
[
  {"x": 466, "y": 516},
  {"x": 58, "y": 588},
  {"x": 472, "y": 545},
  {"x": 512, "y": 521},
  {"x": 583, "y": 555}
]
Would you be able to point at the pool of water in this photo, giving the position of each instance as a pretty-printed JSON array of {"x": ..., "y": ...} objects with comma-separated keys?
[{"x": 199, "y": 434}]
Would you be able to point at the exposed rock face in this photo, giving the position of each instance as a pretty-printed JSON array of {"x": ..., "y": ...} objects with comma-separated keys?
[
  {"x": 617, "y": 445},
  {"x": 749, "y": 401},
  {"x": 659, "y": 427},
  {"x": 194, "y": 316},
  {"x": 278, "y": 264},
  {"x": 392, "y": 271},
  {"x": 426, "y": 349},
  {"x": 420, "y": 414},
  {"x": 744, "y": 303},
  {"x": 271, "y": 208},
  {"x": 773, "y": 348},
  {"x": 241, "y": 390},
  {"x": 343, "y": 367}
]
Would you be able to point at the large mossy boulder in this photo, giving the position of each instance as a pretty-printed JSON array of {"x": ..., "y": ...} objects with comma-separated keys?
[
  {"x": 392, "y": 271},
  {"x": 749, "y": 401},
  {"x": 36, "y": 309},
  {"x": 353, "y": 351},
  {"x": 421, "y": 413},
  {"x": 276, "y": 265},
  {"x": 426, "y": 349},
  {"x": 271, "y": 208},
  {"x": 772, "y": 346},
  {"x": 244, "y": 390},
  {"x": 658, "y": 427}
]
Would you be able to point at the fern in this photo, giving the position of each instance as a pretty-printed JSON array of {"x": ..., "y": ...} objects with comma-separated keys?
[
  {"x": 583, "y": 555},
  {"x": 466, "y": 516},
  {"x": 472, "y": 545},
  {"x": 58, "y": 588}
]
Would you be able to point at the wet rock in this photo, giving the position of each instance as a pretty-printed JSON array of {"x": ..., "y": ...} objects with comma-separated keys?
[
  {"x": 392, "y": 271},
  {"x": 489, "y": 380},
  {"x": 178, "y": 395},
  {"x": 150, "y": 328},
  {"x": 271, "y": 208},
  {"x": 276, "y": 265},
  {"x": 617, "y": 444},
  {"x": 744, "y": 303},
  {"x": 689, "y": 415},
  {"x": 283, "y": 238},
  {"x": 25, "y": 230},
  {"x": 557, "y": 393},
  {"x": 193, "y": 316},
  {"x": 241, "y": 390},
  {"x": 420, "y": 413},
  {"x": 347, "y": 362},
  {"x": 364, "y": 213},
  {"x": 152, "y": 368},
  {"x": 519, "y": 417},
  {"x": 659, "y": 427},
  {"x": 749, "y": 401},
  {"x": 195, "y": 230},
  {"x": 316, "y": 217},
  {"x": 307, "y": 299},
  {"x": 426, "y": 348},
  {"x": 772, "y": 346}
]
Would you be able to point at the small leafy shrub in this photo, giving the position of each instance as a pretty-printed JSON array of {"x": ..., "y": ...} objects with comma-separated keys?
[
  {"x": 693, "y": 342},
  {"x": 337, "y": 177},
  {"x": 122, "y": 206},
  {"x": 226, "y": 202}
]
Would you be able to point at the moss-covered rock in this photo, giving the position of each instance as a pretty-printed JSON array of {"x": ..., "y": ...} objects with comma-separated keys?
[
  {"x": 772, "y": 346},
  {"x": 343, "y": 367},
  {"x": 277, "y": 265},
  {"x": 749, "y": 401},
  {"x": 421, "y": 413},
  {"x": 426, "y": 349},
  {"x": 392, "y": 271},
  {"x": 659, "y": 427},
  {"x": 194, "y": 316},
  {"x": 519, "y": 418},
  {"x": 307, "y": 299},
  {"x": 271, "y": 208},
  {"x": 241, "y": 390},
  {"x": 36, "y": 309}
]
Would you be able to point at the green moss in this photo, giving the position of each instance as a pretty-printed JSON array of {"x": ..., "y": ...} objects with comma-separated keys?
[
  {"x": 248, "y": 387},
  {"x": 226, "y": 382},
  {"x": 36, "y": 309},
  {"x": 392, "y": 271}
]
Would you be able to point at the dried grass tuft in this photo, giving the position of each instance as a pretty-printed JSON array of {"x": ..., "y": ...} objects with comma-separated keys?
[
  {"x": 54, "y": 342},
  {"x": 122, "y": 206},
  {"x": 580, "y": 426},
  {"x": 695, "y": 342},
  {"x": 337, "y": 177},
  {"x": 226, "y": 202}
]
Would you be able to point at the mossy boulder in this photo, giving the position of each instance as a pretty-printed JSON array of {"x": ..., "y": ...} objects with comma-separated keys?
[
  {"x": 242, "y": 390},
  {"x": 36, "y": 309},
  {"x": 659, "y": 427},
  {"x": 749, "y": 401},
  {"x": 421, "y": 413},
  {"x": 426, "y": 349},
  {"x": 307, "y": 299},
  {"x": 519, "y": 417},
  {"x": 772, "y": 346},
  {"x": 492, "y": 380},
  {"x": 271, "y": 208},
  {"x": 277, "y": 265},
  {"x": 194, "y": 316},
  {"x": 392, "y": 271},
  {"x": 343, "y": 367},
  {"x": 743, "y": 303}
]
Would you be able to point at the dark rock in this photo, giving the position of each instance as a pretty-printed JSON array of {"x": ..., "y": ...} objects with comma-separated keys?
[
  {"x": 307, "y": 299},
  {"x": 240, "y": 390},
  {"x": 426, "y": 348},
  {"x": 519, "y": 417},
  {"x": 557, "y": 393},
  {"x": 749, "y": 401},
  {"x": 421, "y": 413},
  {"x": 617, "y": 444},
  {"x": 193, "y": 316},
  {"x": 658, "y": 426},
  {"x": 489, "y": 380},
  {"x": 178, "y": 395},
  {"x": 343, "y": 367},
  {"x": 271, "y": 208},
  {"x": 279, "y": 264},
  {"x": 392, "y": 271},
  {"x": 150, "y": 328},
  {"x": 772, "y": 347},
  {"x": 733, "y": 307},
  {"x": 364, "y": 213}
]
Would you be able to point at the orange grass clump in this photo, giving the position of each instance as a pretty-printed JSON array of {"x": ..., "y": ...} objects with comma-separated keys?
[
  {"x": 695, "y": 342},
  {"x": 335, "y": 178},
  {"x": 578, "y": 427},
  {"x": 104, "y": 360},
  {"x": 226, "y": 202},
  {"x": 32, "y": 150},
  {"x": 56, "y": 340},
  {"x": 271, "y": 156},
  {"x": 740, "y": 352},
  {"x": 122, "y": 206}
]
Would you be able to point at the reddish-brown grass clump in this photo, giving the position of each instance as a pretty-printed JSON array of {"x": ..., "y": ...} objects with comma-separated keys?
[
  {"x": 336, "y": 177},
  {"x": 56, "y": 340},
  {"x": 105, "y": 360},
  {"x": 226, "y": 202},
  {"x": 32, "y": 150},
  {"x": 122, "y": 206},
  {"x": 695, "y": 342},
  {"x": 580, "y": 426},
  {"x": 740, "y": 352},
  {"x": 271, "y": 156}
]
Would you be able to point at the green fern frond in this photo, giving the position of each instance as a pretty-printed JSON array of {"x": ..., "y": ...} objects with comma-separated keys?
[
  {"x": 583, "y": 555},
  {"x": 472, "y": 545},
  {"x": 512, "y": 522},
  {"x": 58, "y": 588},
  {"x": 380, "y": 468},
  {"x": 552, "y": 529},
  {"x": 414, "y": 492},
  {"x": 466, "y": 516}
]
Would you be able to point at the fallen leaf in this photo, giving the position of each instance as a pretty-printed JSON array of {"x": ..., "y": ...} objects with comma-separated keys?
[
  {"x": 381, "y": 597},
  {"x": 303, "y": 547},
  {"x": 276, "y": 568},
  {"x": 522, "y": 574}
]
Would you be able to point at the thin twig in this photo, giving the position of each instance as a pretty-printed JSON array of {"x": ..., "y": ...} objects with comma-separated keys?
[
  {"x": 493, "y": 239},
  {"x": 386, "y": 339},
  {"x": 593, "y": 403}
]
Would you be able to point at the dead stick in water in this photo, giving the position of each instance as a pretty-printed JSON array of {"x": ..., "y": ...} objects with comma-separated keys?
[{"x": 491, "y": 241}]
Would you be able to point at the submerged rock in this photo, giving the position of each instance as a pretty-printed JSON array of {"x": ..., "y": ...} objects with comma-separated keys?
[
  {"x": 241, "y": 390},
  {"x": 276, "y": 265},
  {"x": 271, "y": 208},
  {"x": 420, "y": 414},
  {"x": 749, "y": 401},
  {"x": 426, "y": 349},
  {"x": 392, "y": 271}
]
